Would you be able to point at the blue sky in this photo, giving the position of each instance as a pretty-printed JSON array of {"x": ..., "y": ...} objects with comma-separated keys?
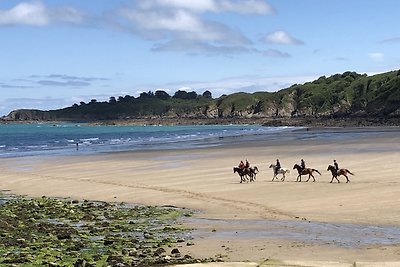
[{"x": 54, "y": 53}]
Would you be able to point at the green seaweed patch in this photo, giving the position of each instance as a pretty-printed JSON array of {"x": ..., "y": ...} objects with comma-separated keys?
[{"x": 63, "y": 232}]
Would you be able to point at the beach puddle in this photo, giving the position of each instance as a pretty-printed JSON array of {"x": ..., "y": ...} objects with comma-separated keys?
[{"x": 337, "y": 234}]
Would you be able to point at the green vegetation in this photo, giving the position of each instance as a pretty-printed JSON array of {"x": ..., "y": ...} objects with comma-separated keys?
[
  {"x": 341, "y": 95},
  {"x": 53, "y": 232}
]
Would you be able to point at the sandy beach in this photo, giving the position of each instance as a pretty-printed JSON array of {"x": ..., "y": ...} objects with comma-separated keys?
[{"x": 203, "y": 180}]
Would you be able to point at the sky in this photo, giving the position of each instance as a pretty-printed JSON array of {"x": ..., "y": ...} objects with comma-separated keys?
[{"x": 54, "y": 53}]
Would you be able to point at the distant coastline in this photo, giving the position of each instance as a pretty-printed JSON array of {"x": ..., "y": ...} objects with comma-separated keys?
[{"x": 318, "y": 121}]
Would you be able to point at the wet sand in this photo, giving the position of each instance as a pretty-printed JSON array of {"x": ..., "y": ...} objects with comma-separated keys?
[{"x": 203, "y": 180}]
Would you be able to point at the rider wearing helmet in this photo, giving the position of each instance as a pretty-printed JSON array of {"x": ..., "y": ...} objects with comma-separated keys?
[
  {"x": 278, "y": 166},
  {"x": 336, "y": 165},
  {"x": 241, "y": 165},
  {"x": 302, "y": 164}
]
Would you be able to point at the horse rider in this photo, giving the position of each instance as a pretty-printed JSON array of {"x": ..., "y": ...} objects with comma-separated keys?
[
  {"x": 277, "y": 166},
  {"x": 302, "y": 165},
  {"x": 247, "y": 165},
  {"x": 336, "y": 165},
  {"x": 241, "y": 165}
]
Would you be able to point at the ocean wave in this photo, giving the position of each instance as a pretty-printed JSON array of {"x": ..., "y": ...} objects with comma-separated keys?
[{"x": 47, "y": 139}]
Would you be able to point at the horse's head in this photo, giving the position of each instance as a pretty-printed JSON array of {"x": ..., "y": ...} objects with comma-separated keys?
[
  {"x": 256, "y": 169},
  {"x": 296, "y": 166},
  {"x": 235, "y": 169},
  {"x": 272, "y": 166},
  {"x": 332, "y": 169}
]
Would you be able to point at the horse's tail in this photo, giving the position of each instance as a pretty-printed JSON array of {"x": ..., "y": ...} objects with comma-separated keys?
[
  {"x": 349, "y": 172},
  {"x": 316, "y": 171}
]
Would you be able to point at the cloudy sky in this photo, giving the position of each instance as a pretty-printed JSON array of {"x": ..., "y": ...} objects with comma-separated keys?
[{"x": 54, "y": 53}]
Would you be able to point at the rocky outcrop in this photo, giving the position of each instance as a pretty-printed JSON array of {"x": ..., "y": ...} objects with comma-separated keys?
[{"x": 28, "y": 115}]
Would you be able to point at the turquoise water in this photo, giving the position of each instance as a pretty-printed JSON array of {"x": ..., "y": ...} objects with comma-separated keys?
[
  {"x": 63, "y": 139},
  {"x": 18, "y": 140}
]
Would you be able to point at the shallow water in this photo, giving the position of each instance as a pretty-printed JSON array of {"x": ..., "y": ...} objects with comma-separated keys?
[
  {"x": 338, "y": 234},
  {"x": 19, "y": 140}
]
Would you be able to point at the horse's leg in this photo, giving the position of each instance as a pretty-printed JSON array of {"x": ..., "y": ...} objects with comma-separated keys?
[
  {"x": 332, "y": 179},
  {"x": 283, "y": 177},
  {"x": 347, "y": 178},
  {"x": 242, "y": 178},
  {"x": 309, "y": 176},
  {"x": 336, "y": 177}
]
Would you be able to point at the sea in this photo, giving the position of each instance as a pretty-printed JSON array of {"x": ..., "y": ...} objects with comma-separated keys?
[{"x": 19, "y": 140}]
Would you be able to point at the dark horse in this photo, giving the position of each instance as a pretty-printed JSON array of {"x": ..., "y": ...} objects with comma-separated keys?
[
  {"x": 306, "y": 171},
  {"x": 243, "y": 173},
  {"x": 336, "y": 174}
]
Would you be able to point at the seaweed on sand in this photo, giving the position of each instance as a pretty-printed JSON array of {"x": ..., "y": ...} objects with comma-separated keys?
[{"x": 63, "y": 232}]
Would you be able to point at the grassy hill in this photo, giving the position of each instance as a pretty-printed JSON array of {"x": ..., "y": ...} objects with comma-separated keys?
[{"x": 342, "y": 95}]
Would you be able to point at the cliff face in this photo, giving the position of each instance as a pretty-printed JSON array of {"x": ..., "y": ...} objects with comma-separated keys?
[
  {"x": 347, "y": 94},
  {"x": 28, "y": 115}
]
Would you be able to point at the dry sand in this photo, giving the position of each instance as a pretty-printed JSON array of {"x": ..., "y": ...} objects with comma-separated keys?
[{"x": 203, "y": 180}]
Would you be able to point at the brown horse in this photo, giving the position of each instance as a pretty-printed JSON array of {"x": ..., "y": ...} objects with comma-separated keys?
[
  {"x": 245, "y": 173},
  {"x": 336, "y": 174},
  {"x": 306, "y": 171},
  {"x": 241, "y": 172}
]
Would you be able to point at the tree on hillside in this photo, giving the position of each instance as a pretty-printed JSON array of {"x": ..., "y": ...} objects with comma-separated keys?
[
  {"x": 207, "y": 94},
  {"x": 185, "y": 95},
  {"x": 149, "y": 94},
  {"x": 112, "y": 100},
  {"x": 162, "y": 95}
]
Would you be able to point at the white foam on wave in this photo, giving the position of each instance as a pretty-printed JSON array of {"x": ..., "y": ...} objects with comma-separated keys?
[{"x": 89, "y": 139}]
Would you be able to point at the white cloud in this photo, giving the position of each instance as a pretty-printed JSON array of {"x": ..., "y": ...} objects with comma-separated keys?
[
  {"x": 180, "y": 25},
  {"x": 243, "y": 7},
  {"x": 182, "y": 30},
  {"x": 378, "y": 57},
  {"x": 178, "y": 20},
  {"x": 166, "y": 23},
  {"x": 281, "y": 37},
  {"x": 246, "y": 7},
  {"x": 35, "y": 13},
  {"x": 194, "y": 5}
]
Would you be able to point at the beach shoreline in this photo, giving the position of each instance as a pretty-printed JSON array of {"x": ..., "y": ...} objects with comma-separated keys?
[{"x": 203, "y": 180}]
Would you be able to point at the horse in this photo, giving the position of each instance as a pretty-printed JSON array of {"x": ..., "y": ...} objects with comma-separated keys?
[
  {"x": 253, "y": 173},
  {"x": 282, "y": 171},
  {"x": 337, "y": 173},
  {"x": 306, "y": 171},
  {"x": 243, "y": 173}
]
